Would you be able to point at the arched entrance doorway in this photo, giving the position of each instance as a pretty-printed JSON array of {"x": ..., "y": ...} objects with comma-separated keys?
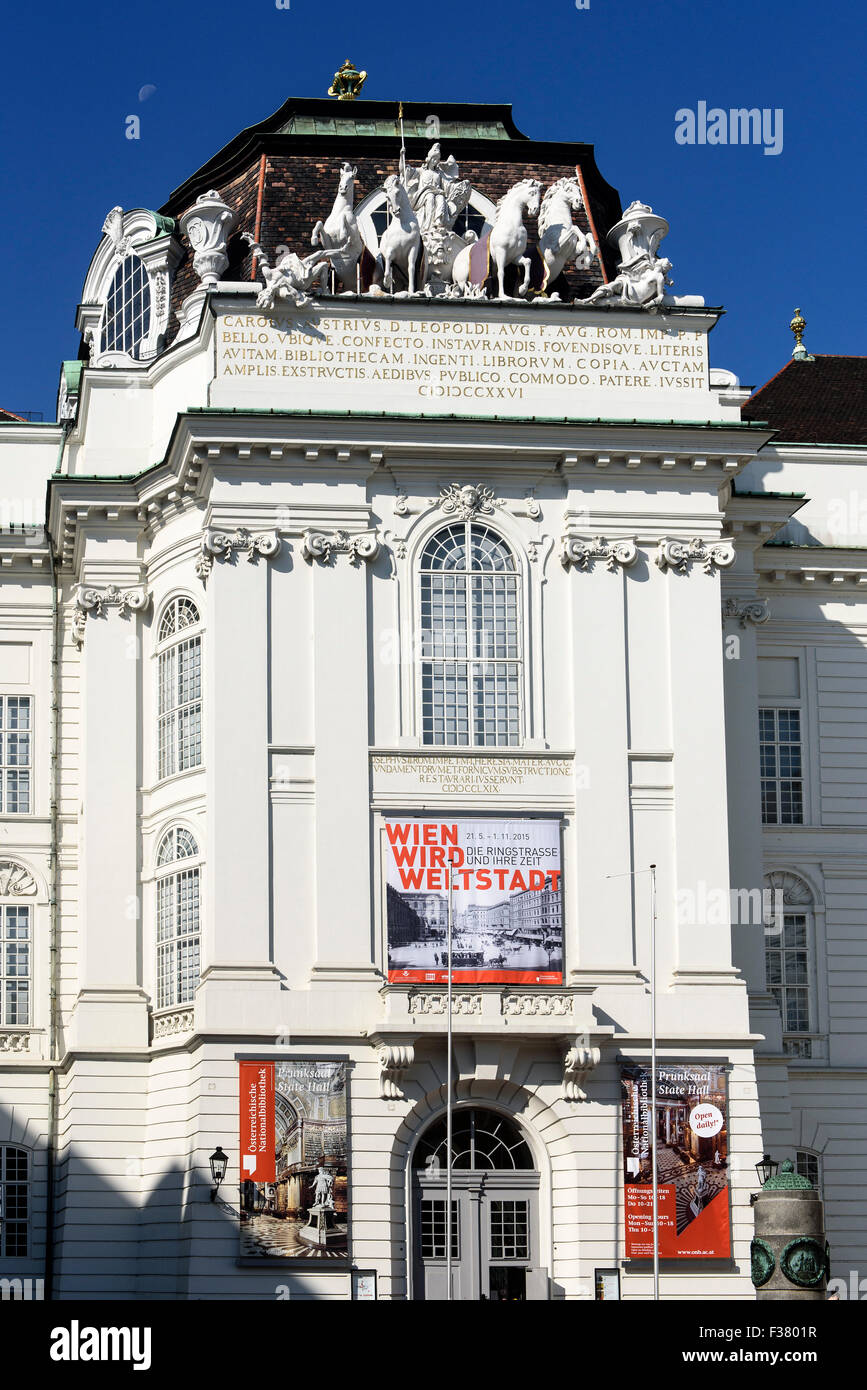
[{"x": 495, "y": 1211}]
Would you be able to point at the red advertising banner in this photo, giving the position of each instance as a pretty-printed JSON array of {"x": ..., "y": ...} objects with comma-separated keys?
[
  {"x": 507, "y": 913},
  {"x": 257, "y": 1121},
  {"x": 691, "y": 1158},
  {"x": 294, "y": 1161}
]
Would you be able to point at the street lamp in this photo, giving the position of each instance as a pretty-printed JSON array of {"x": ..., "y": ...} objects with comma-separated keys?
[
  {"x": 219, "y": 1162},
  {"x": 765, "y": 1168}
]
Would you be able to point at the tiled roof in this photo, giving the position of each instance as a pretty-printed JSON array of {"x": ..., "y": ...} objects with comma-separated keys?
[
  {"x": 823, "y": 401},
  {"x": 6, "y": 415}
]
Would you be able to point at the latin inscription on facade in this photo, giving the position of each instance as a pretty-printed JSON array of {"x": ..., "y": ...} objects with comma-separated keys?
[
  {"x": 506, "y": 363},
  {"x": 426, "y": 777}
]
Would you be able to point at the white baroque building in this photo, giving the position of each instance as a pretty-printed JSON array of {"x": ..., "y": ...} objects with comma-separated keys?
[{"x": 231, "y": 648}]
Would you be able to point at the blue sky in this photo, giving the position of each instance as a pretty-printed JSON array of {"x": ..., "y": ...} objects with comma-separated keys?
[{"x": 756, "y": 233}]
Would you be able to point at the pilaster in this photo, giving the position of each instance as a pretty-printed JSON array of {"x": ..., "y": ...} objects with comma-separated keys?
[{"x": 111, "y": 1007}]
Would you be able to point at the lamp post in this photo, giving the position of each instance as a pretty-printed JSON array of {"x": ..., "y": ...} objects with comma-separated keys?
[
  {"x": 219, "y": 1162},
  {"x": 765, "y": 1168}
]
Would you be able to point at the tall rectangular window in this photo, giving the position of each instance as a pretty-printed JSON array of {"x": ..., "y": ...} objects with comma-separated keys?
[
  {"x": 177, "y": 938},
  {"x": 471, "y": 658},
  {"x": 16, "y": 754},
  {"x": 180, "y": 707},
  {"x": 14, "y": 1201},
  {"x": 15, "y": 938},
  {"x": 781, "y": 767},
  {"x": 787, "y": 964}
]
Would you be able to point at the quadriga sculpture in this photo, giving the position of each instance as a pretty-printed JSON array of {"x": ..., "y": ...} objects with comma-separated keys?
[
  {"x": 507, "y": 243},
  {"x": 561, "y": 242},
  {"x": 339, "y": 232},
  {"x": 400, "y": 244}
]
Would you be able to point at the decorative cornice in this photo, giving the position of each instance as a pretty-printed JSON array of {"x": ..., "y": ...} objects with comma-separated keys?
[
  {"x": 395, "y": 1060},
  {"x": 428, "y": 1002},
  {"x": 323, "y": 546},
  {"x": 581, "y": 553},
  {"x": 678, "y": 555},
  {"x": 514, "y": 1005},
  {"x": 747, "y": 610},
  {"x": 87, "y": 599},
  {"x": 577, "y": 1065},
  {"x": 225, "y": 545},
  {"x": 15, "y": 880}
]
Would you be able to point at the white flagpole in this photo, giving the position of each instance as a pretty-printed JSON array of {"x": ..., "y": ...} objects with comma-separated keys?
[
  {"x": 654, "y": 1176},
  {"x": 653, "y": 1080},
  {"x": 449, "y": 1091}
]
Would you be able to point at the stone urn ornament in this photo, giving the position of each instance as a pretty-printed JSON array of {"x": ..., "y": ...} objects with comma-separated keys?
[{"x": 207, "y": 226}]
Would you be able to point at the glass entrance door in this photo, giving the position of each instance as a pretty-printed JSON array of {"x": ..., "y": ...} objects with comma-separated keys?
[{"x": 495, "y": 1212}]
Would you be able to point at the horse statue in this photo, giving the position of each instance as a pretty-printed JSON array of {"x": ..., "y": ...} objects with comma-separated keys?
[
  {"x": 400, "y": 244},
  {"x": 642, "y": 287},
  {"x": 507, "y": 242},
  {"x": 291, "y": 277},
  {"x": 560, "y": 240},
  {"x": 340, "y": 229}
]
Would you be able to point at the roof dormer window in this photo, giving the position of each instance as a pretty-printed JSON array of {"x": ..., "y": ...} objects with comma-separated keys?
[
  {"x": 127, "y": 309},
  {"x": 124, "y": 313}
]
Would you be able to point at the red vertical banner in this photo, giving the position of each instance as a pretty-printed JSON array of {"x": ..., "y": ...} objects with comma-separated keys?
[
  {"x": 258, "y": 1158},
  {"x": 689, "y": 1115}
]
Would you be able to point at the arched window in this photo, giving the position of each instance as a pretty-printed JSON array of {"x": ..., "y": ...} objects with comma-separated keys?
[
  {"x": 178, "y": 921},
  {"x": 790, "y": 957},
  {"x": 481, "y": 1140},
  {"x": 179, "y": 699},
  {"x": 127, "y": 309},
  {"x": 494, "y": 1212},
  {"x": 470, "y": 639},
  {"x": 14, "y": 1201}
]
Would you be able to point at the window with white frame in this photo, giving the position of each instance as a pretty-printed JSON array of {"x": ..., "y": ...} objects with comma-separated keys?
[
  {"x": 179, "y": 689},
  {"x": 788, "y": 965},
  {"x": 127, "y": 318},
  {"x": 781, "y": 766},
  {"x": 16, "y": 935},
  {"x": 177, "y": 918},
  {"x": 16, "y": 754},
  {"x": 808, "y": 1165},
  {"x": 14, "y": 1201},
  {"x": 470, "y": 647}
]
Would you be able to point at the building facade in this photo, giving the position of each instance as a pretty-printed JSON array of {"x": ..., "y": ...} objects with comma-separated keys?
[{"x": 320, "y": 557}]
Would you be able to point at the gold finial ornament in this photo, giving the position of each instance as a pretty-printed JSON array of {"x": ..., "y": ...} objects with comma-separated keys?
[
  {"x": 797, "y": 325},
  {"x": 347, "y": 82}
]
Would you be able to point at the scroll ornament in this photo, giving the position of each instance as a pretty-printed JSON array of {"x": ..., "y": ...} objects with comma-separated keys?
[
  {"x": 746, "y": 610},
  {"x": 577, "y": 1065},
  {"x": 580, "y": 553},
  {"x": 224, "y": 545},
  {"x": 323, "y": 546},
  {"x": 679, "y": 555},
  {"x": 87, "y": 599},
  {"x": 395, "y": 1061}
]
